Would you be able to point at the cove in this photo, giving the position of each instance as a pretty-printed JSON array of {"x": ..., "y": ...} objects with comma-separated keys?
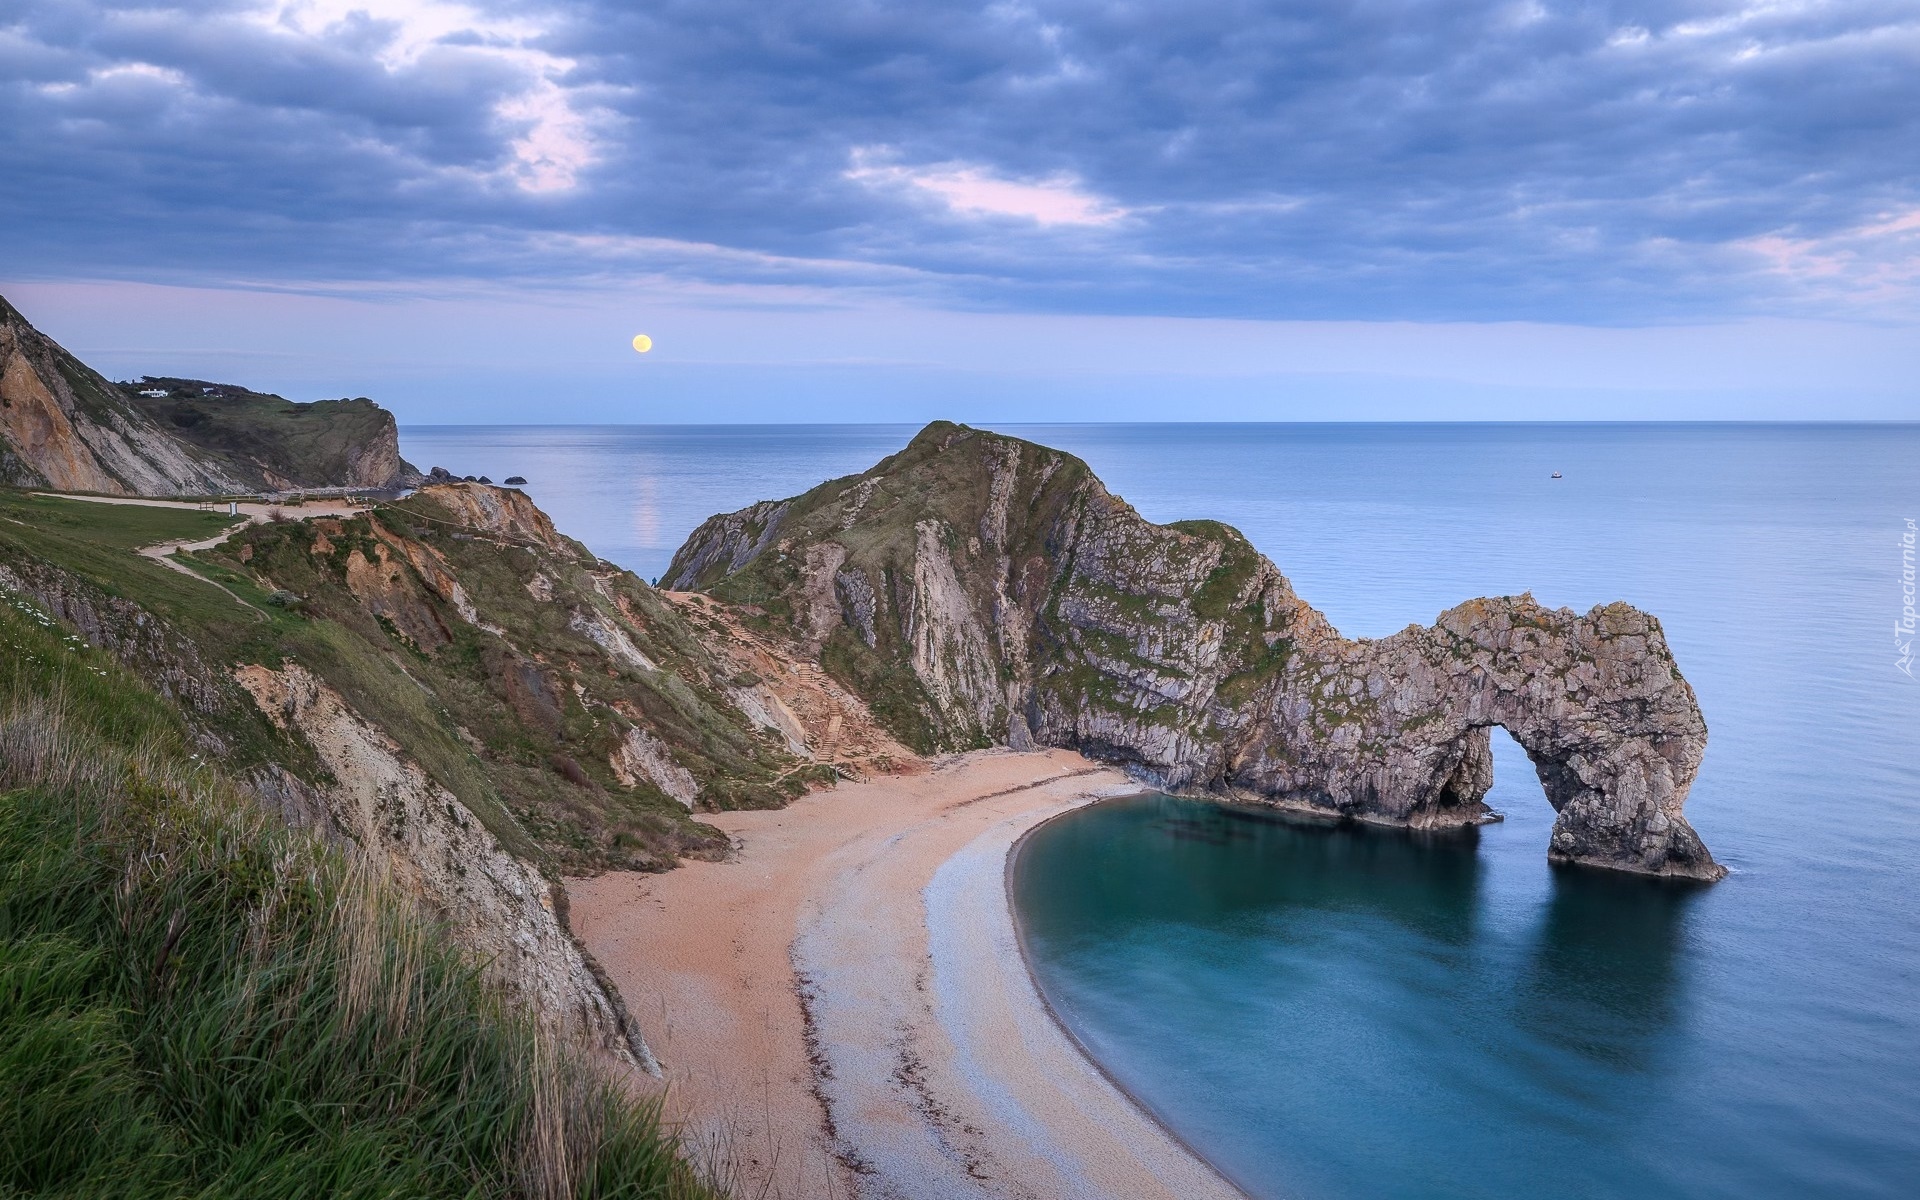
[
  {"x": 1327, "y": 1010},
  {"x": 1334, "y": 1013}
]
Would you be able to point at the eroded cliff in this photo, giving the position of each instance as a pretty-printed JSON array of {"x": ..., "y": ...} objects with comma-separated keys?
[
  {"x": 978, "y": 589},
  {"x": 447, "y": 686},
  {"x": 65, "y": 427},
  {"x": 272, "y": 444},
  {"x": 424, "y": 840}
]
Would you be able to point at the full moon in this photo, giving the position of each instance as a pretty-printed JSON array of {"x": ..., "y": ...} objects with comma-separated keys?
[{"x": 642, "y": 343}]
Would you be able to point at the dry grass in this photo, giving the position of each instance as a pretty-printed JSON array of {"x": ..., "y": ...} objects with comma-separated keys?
[{"x": 195, "y": 1001}]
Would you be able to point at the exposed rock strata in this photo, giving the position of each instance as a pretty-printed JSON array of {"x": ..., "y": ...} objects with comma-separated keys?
[
  {"x": 449, "y": 685},
  {"x": 65, "y": 427},
  {"x": 993, "y": 591},
  {"x": 170, "y": 663},
  {"x": 432, "y": 845},
  {"x": 501, "y": 513},
  {"x": 376, "y": 462},
  {"x": 273, "y": 444},
  {"x": 353, "y": 785},
  {"x": 567, "y": 703},
  {"x": 725, "y": 543},
  {"x": 641, "y": 756}
]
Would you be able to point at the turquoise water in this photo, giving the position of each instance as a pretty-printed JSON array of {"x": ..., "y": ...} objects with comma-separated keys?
[{"x": 1331, "y": 1012}]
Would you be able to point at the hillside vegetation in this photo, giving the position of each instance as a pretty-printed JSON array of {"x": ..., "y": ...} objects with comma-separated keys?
[
  {"x": 446, "y": 688},
  {"x": 474, "y": 648},
  {"x": 275, "y": 442},
  {"x": 197, "y": 1001}
]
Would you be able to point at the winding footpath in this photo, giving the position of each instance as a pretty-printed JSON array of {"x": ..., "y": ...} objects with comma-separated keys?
[{"x": 251, "y": 514}]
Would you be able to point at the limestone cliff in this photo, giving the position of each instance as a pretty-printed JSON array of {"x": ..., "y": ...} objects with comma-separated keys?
[
  {"x": 65, "y": 427},
  {"x": 978, "y": 589},
  {"x": 271, "y": 444},
  {"x": 422, "y": 838},
  {"x": 580, "y": 710}
]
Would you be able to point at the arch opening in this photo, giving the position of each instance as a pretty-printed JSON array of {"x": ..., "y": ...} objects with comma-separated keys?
[{"x": 1617, "y": 801}]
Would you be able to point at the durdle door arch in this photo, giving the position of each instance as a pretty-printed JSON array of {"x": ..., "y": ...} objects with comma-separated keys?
[
  {"x": 1613, "y": 730},
  {"x": 985, "y": 589}
]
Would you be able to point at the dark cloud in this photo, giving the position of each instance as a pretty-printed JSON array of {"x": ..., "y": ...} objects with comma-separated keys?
[{"x": 1608, "y": 162}]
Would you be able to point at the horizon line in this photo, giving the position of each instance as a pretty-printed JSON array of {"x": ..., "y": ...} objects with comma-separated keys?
[{"x": 919, "y": 424}]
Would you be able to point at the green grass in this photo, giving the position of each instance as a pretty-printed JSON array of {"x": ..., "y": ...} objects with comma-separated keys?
[
  {"x": 196, "y": 1002},
  {"x": 246, "y": 588},
  {"x": 424, "y": 697},
  {"x": 1220, "y": 593},
  {"x": 892, "y": 691},
  {"x": 95, "y": 542},
  {"x": 380, "y": 690},
  {"x": 111, "y": 526},
  {"x": 90, "y": 544}
]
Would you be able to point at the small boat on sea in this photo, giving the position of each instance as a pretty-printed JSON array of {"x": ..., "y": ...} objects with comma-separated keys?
[{"x": 1556, "y": 474}]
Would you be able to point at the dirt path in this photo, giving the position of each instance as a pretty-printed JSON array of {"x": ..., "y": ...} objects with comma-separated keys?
[
  {"x": 254, "y": 511},
  {"x": 252, "y": 514}
]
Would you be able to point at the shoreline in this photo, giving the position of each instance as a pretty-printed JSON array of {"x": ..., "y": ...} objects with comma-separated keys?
[
  {"x": 844, "y": 1007},
  {"x": 1060, "y": 1022}
]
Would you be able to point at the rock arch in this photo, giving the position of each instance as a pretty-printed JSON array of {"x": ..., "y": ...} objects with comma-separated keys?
[
  {"x": 992, "y": 590},
  {"x": 1613, "y": 730}
]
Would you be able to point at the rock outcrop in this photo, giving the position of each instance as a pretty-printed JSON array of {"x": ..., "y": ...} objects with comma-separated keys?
[
  {"x": 501, "y": 513},
  {"x": 980, "y": 589},
  {"x": 336, "y": 773},
  {"x": 65, "y": 427},
  {"x": 426, "y": 841},
  {"x": 585, "y": 715},
  {"x": 272, "y": 444}
]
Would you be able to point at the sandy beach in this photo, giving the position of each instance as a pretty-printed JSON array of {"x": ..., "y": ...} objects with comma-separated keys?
[{"x": 841, "y": 1009}]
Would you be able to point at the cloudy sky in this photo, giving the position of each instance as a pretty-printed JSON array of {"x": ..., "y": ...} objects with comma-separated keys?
[{"x": 1051, "y": 209}]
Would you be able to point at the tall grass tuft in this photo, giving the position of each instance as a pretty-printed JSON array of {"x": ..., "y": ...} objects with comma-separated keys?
[{"x": 196, "y": 1001}]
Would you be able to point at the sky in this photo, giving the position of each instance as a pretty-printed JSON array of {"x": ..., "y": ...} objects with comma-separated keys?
[{"x": 1045, "y": 210}]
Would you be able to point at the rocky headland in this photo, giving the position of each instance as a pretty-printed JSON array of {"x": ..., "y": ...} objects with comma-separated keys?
[
  {"x": 976, "y": 589},
  {"x": 66, "y": 427}
]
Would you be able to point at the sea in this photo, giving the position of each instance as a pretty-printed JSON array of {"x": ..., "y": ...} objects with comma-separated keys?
[{"x": 1327, "y": 1011}]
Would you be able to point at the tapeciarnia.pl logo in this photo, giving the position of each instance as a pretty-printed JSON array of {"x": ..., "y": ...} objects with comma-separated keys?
[{"x": 1903, "y": 628}]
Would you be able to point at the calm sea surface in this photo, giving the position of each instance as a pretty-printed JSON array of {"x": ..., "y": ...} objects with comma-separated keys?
[{"x": 1329, "y": 1012}]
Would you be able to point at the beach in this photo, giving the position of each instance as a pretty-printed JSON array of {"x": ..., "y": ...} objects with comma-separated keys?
[{"x": 842, "y": 1009}]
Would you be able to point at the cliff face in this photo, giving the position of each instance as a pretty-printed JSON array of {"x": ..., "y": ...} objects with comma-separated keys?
[
  {"x": 65, "y": 427},
  {"x": 581, "y": 712},
  {"x": 271, "y": 444},
  {"x": 977, "y": 589},
  {"x": 422, "y": 838}
]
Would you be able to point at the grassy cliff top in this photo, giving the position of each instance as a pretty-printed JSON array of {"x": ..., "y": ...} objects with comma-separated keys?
[
  {"x": 63, "y": 424},
  {"x": 313, "y": 444}
]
